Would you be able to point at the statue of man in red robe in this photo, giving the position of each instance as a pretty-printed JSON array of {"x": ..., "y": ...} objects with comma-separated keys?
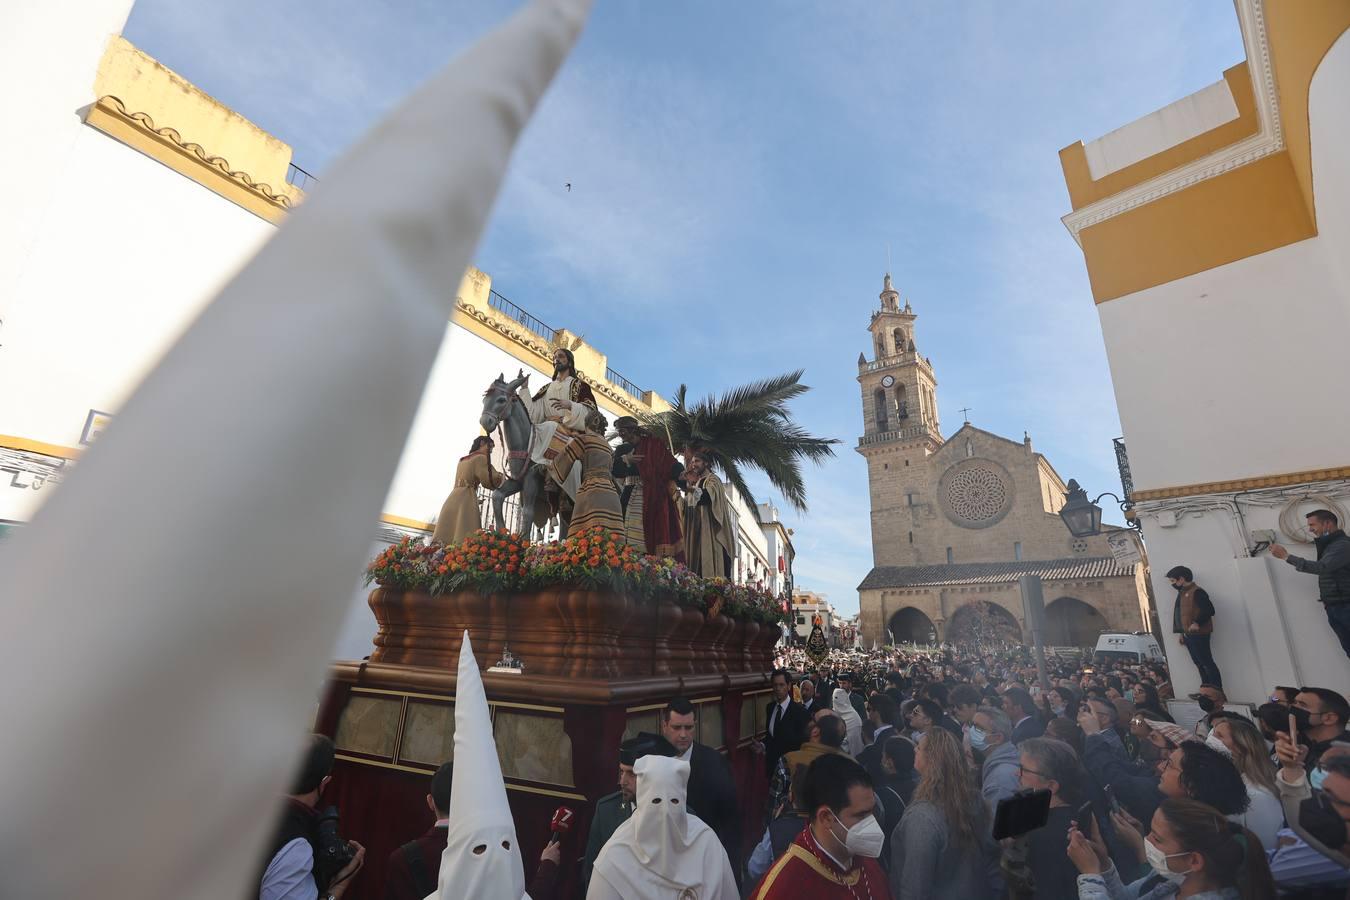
[{"x": 653, "y": 508}]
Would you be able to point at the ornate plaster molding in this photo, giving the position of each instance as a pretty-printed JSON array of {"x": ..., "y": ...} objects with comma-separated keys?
[
  {"x": 110, "y": 107},
  {"x": 1269, "y": 139},
  {"x": 528, "y": 340}
]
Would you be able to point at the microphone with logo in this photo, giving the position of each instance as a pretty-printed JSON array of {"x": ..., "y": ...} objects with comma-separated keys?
[{"x": 562, "y": 823}]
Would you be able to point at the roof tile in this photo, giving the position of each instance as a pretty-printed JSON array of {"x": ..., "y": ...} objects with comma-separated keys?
[{"x": 995, "y": 572}]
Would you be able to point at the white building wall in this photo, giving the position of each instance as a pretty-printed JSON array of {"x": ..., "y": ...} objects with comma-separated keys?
[
  {"x": 1237, "y": 373},
  {"x": 49, "y": 53},
  {"x": 126, "y": 257}
]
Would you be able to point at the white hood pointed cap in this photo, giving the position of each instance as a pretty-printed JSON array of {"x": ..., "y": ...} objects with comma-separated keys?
[
  {"x": 482, "y": 856},
  {"x": 662, "y": 850}
]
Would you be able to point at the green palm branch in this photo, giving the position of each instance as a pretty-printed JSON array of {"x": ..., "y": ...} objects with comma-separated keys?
[{"x": 748, "y": 427}]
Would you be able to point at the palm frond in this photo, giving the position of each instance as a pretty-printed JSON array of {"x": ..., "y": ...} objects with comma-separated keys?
[{"x": 752, "y": 426}]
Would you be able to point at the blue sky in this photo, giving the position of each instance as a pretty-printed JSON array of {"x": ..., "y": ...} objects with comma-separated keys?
[{"x": 738, "y": 171}]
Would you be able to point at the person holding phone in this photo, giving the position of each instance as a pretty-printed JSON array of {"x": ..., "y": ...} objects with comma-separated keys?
[
  {"x": 1048, "y": 764},
  {"x": 1192, "y": 851}
]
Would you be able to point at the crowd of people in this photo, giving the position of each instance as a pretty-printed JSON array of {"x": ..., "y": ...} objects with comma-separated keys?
[
  {"x": 899, "y": 773},
  {"x": 924, "y": 750}
]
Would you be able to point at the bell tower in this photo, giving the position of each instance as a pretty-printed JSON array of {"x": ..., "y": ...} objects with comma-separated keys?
[{"x": 900, "y": 425}]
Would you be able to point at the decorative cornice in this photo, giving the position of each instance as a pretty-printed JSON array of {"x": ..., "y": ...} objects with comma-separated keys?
[
  {"x": 528, "y": 340},
  {"x": 1242, "y": 484},
  {"x": 109, "y": 114},
  {"x": 1269, "y": 139}
]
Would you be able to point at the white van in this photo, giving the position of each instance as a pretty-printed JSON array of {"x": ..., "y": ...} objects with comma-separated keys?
[{"x": 1139, "y": 647}]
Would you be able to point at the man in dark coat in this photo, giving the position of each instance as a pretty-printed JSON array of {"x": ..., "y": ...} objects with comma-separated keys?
[
  {"x": 712, "y": 792},
  {"x": 612, "y": 810},
  {"x": 1021, "y": 711},
  {"x": 1332, "y": 568},
  {"x": 411, "y": 871},
  {"x": 785, "y": 722}
]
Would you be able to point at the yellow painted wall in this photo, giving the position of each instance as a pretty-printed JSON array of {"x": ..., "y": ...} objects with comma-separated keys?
[
  {"x": 145, "y": 85},
  {"x": 1300, "y": 33}
]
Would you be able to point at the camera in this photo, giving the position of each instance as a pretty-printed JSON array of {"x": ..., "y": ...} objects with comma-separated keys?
[{"x": 332, "y": 852}]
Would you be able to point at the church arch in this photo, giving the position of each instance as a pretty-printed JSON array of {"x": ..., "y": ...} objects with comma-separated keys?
[
  {"x": 911, "y": 625},
  {"x": 982, "y": 622},
  {"x": 899, "y": 336},
  {"x": 1069, "y": 622},
  {"x": 901, "y": 403},
  {"x": 879, "y": 409}
]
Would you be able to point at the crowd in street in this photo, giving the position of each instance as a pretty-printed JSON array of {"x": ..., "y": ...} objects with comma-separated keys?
[
  {"x": 938, "y": 773},
  {"x": 916, "y": 769}
]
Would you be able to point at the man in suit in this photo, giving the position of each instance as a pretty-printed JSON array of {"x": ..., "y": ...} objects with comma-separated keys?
[
  {"x": 809, "y": 701},
  {"x": 881, "y": 712},
  {"x": 785, "y": 722},
  {"x": 1021, "y": 711},
  {"x": 712, "y": 792}
]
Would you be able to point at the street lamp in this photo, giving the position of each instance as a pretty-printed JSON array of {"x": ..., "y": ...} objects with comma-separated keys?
[{"x": 1081, "y": 516}]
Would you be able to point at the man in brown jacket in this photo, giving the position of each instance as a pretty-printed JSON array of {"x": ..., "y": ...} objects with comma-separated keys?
[{"x": 1193, "y": 619}]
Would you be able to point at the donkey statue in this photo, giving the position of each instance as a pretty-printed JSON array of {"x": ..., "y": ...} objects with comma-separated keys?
[{"x": 526, "y": 473}]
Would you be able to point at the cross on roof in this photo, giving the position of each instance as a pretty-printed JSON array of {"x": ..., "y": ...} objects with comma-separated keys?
[{"x": 965, "y": 411}]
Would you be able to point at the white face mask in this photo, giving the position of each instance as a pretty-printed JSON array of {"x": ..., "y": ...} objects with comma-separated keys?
[
  {"x": 864, "y": 838},
  {"x": 1158, "y": 861},
  {"x": 1213, "y": 741}
]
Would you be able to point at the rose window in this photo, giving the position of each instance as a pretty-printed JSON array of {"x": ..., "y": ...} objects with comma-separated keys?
[{"x": 976, "y": 494}]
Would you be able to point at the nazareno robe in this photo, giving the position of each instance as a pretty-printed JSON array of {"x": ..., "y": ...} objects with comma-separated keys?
[{"x": 805, "y": 872}]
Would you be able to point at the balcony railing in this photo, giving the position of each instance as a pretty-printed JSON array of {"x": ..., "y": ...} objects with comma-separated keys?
[
  {"x": 899, "y": 434},
  {"x": 1123, "y": 464},
  {"x": 883, "y": 362},
  {"x": 631, "y": 389},
  {"x": 299, "y": 177},
  {"x": 516, "y": 314}
]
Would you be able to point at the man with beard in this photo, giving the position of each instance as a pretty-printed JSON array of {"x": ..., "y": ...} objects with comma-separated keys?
[
  {"x": 709, "y": 543},
  {"x": 566, "y": 399},
  {"x": 647, "y": 469},
  {"x": 559, "y": 407}
]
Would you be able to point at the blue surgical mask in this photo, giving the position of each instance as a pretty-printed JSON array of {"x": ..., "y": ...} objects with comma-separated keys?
[
  {"x": 1316, "y": 777},
  {"x": 978, "y": 739}
]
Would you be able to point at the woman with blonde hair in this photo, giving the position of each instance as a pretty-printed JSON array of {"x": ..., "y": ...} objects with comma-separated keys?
[
  {"x": 1242, "y": 741},
  {"x": 941, "y": 848}
]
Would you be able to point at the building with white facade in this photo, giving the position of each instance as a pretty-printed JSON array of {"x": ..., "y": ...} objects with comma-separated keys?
[
  {"x": 1215, "y": 233},
  {"x": 140, "y": 196}
]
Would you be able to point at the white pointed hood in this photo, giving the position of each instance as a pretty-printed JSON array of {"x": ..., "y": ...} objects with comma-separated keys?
[
  {"x": 482, "y": 856},
  {"x": 843, "y": 705},
  {"x": 662, "y": 850}
]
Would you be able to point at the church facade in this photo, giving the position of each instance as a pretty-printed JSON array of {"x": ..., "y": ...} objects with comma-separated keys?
[{"x": 956, "y": 521}]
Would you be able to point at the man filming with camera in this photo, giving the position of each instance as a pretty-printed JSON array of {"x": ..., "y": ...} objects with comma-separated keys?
[{"x": 306, "y": 859}]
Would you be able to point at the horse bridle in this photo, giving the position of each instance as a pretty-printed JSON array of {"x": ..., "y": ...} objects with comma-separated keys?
[{"x": 500, "y": 427}]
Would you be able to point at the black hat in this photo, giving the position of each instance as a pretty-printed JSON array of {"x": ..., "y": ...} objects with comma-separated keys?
[
  {"x": 645, "y": 744},
  {"x": 626, "y": 422},
  {"x": 847, "y": 676}
]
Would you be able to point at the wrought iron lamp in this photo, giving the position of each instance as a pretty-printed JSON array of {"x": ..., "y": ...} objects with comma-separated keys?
[{"x": 1083, "y": 517}]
